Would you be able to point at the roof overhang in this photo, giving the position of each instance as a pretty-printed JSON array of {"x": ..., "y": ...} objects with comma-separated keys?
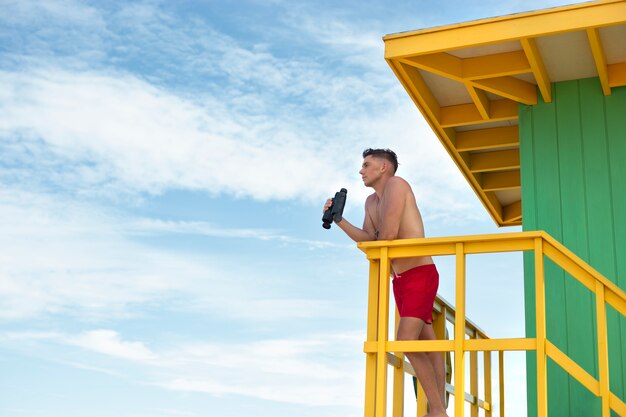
[{"x": 467, "y": 80}]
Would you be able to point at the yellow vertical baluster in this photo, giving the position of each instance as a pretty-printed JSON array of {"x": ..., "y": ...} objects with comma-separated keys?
[
  {"x": 439, "y": 327},
  {"x": 422, "y": 402},
  {"x": 487, "y": 379},
  {"x": 501, "y": 370},
  {"x": 540, "y": 299},
  {"x": 372, "y": 333},
  {"x": 459, "y": 334},
  {"x": 474, "y": 383},
  {"x": 383, "y": 333},
  {"x": 398, "y": 380},
  {"x": 603, "y": 350}
]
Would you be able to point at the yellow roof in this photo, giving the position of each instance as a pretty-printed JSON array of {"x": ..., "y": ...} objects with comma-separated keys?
[{"x": 467, "y": 80}]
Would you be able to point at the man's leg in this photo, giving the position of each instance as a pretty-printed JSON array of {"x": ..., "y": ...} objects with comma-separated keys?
[
  {"x": 436, "y": 360},
  {"x": 410, "y": 328}
]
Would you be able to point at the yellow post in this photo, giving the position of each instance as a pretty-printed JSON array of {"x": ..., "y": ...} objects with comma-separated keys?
[
  {"x": 501, "y": 370},
  {"x": 372, "y": 333},
  {"x": 474, "y": 382},
  {"x": 439, "y": 327},
  {"x": 540, "y": 299},
  {"x": 603, "y": 350},
  {"x": 487, "y": 380},
  {"x": 422, "y": 402},
  {"x": 439, "y": 324},
  {"x": 383, "y": 333},
  {"x": 459, "y": 334},
  {"x": 398, "y": 380}
]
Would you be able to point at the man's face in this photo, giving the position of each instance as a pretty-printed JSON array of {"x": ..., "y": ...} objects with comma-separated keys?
[{"x": 370, "y": 170}]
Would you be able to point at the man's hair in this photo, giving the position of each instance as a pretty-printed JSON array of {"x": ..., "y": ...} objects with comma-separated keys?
[{"x": 387, "y": 154}]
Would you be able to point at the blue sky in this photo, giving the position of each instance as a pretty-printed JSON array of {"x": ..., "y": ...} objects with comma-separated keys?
[{"x": 162, "y": 171}]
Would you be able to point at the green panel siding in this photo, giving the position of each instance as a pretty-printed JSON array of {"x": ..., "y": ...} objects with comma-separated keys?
[
  {"x": 573, "y": 159},
  {"x": 529, "y": 216}
]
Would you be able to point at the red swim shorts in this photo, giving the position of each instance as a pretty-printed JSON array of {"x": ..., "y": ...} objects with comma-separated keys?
[{"x": 415, "y": 291}]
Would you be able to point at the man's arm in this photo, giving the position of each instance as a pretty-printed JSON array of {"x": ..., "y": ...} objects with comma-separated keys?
[
  {"x": 354, "y": 233},
  {"x": 391, "y": 208},
  {"x": 365, "y": 234}
]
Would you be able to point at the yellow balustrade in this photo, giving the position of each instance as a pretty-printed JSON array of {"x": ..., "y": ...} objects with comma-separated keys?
[{"x": 467, "y": 337}]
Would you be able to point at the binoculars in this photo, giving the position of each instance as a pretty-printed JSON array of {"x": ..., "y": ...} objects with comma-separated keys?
[{"x": 335, "y": 211}]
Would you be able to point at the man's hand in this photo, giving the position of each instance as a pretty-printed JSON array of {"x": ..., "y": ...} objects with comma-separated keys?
[
  {"x": 329, "y": 203},
  {"x": 354, "y": 233}
]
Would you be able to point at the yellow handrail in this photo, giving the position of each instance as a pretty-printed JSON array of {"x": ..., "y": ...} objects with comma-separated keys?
[
  {"x": 444, "y": 312},
  {"x": 377, "y": 346}
]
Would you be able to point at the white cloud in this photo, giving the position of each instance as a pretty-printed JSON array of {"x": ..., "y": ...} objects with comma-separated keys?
[
  {"x": 29, "y": 12},
  {"x": 316, "y": 370},
  {"x": 61, "y": 257},
  {"x": 109, "y": 342},
  {"x": 104, "y": 128},
  {"x": 157, "y": 226},
  {"x": 91, "y": 368},
  {"x": 358, "y": 41},
  {"x": 259, "y": 124},
  {"x": 319, "y": 370},
  {"x": 111, "y": 133},
  {"x": 102, "y": 341}
]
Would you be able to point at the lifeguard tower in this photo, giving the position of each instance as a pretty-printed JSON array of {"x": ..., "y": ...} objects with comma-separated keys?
[{"x": 532, "y": 109}]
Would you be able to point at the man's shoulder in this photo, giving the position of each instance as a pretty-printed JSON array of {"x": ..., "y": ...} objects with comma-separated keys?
[
  {"x": 399, "y": 187},
  {"x": 398, "y": 182}
]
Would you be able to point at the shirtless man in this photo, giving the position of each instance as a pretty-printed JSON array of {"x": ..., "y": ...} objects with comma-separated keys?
[{"x": 391, "y": 213}]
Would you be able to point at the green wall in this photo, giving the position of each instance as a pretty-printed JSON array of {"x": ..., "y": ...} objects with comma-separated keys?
[{"x": 573, "y": 164}]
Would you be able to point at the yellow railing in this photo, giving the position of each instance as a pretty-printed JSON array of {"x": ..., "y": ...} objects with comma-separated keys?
[
  {"x": 444, "y": 312},
  {"x": 377, "y": 346}
]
